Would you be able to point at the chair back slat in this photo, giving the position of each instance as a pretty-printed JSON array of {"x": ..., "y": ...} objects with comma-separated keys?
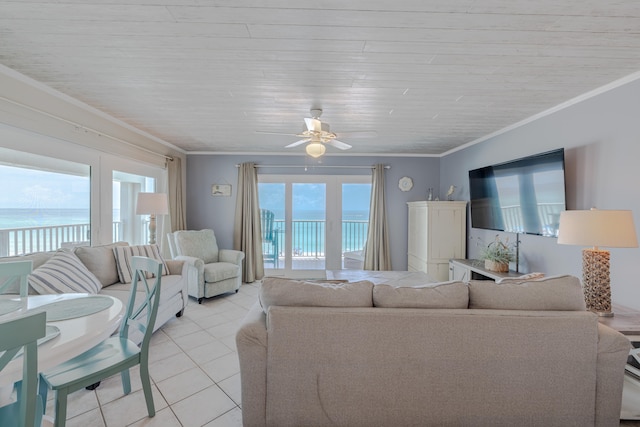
[
  {"x": 266, "y": 223},
  {"x": 15, "y": 334},
  {"x": 143, "y": 316},
  {"x": 15, "y": 272}
]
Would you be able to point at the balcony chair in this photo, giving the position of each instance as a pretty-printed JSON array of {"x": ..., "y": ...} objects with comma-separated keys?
[
  {"x": 116, "y": 354},
  {"x": 269, "y": 237},
  {"x": 16, "y": 334},
  {"x": 219, "y": 270}
]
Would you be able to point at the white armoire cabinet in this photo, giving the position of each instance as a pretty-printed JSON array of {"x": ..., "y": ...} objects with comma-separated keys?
[{"x": 437, "y": 233}]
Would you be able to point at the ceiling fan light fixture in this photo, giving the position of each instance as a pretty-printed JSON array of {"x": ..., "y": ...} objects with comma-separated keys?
[{"x": 315, "y": 149}]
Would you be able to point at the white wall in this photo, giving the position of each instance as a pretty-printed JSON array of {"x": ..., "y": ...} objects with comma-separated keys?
[{"x": 601, "y": 137}]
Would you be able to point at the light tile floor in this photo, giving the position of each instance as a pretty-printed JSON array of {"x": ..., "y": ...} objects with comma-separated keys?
[{"x": 194, "y": 372}]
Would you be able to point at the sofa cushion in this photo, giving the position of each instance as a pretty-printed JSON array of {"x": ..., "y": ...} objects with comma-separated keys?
[
  {"x": 101, "y": 261},
  {"x": 431, "y": 295},
  {"x": 64, "y": 273},
  {"x": 550, "y": 293},
  {"x": 218, "y": 271},
  {"x": 199, "y": 244},
  {"x": 289, "y": 292},
  {"x": 123, "y": 256}
]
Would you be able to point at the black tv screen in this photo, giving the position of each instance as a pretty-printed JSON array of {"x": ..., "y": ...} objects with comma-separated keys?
[{"x": 521, "y": 196}]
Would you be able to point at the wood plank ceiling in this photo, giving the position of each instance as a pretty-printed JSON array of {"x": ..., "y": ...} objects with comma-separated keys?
[{"x": 426, "y": 75}]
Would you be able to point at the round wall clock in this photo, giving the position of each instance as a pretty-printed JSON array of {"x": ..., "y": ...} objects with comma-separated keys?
[{"x": 405, "y": 183}]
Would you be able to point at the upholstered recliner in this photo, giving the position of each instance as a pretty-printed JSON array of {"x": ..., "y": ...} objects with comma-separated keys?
[{"x": 219, "y": 270}]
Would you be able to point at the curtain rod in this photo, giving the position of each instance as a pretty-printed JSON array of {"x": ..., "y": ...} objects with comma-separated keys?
[{"x": 316, "y": 166}]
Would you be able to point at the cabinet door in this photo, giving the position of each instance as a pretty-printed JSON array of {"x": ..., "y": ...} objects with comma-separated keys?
[
  {"x": 446, "y": 228},
  {"x": 418, "y": 237},
  {"x": 458, "y": 272}
]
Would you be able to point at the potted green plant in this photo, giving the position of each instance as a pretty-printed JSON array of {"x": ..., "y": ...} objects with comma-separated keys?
[{"x": 497, "y": 255}]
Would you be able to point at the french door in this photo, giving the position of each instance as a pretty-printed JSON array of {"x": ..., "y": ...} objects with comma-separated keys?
[{"x": 320, "y": 222}]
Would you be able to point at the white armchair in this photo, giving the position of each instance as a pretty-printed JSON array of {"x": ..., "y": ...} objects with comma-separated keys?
[{"x": 219, "y": 270}]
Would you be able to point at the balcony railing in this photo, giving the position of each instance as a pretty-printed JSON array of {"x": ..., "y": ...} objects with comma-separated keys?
[
  {"x": 24, "y": 240},
  {"x": 308, "y": 237}
]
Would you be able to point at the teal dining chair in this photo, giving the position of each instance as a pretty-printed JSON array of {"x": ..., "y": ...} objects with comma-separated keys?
[
  {"x": 15, "y": 335},
  {"x": 116, "y": 354},
  {"x": 15, "y": 273}
]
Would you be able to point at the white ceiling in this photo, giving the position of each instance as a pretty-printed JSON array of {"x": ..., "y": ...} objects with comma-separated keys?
[{"x": 427, "y": 75}]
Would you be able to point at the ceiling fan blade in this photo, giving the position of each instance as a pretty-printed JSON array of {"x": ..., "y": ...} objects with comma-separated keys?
[
  {"x": 313, "y": 125},
  {"x": 295, "y": 144},
  {"x": 275, "y": 133},
  {"x": 359, "y": 134},
  {"x": 339, "y": 144}
]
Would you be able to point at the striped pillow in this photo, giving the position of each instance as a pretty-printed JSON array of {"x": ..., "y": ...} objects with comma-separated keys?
[
  {"x": 63, "y": 273},
  {"x": 123, "y": 256}
]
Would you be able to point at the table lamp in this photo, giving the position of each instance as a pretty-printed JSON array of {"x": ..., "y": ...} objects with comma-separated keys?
[
  {"x": 152, "y": 204},
  {"x": 610, "y": 228}
]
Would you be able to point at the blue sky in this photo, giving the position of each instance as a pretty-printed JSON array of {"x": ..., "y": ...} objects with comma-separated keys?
[{"x": 35, "y": 189}]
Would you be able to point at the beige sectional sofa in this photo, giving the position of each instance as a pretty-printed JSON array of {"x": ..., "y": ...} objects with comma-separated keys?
[
  {"x": 104, "y": 275},
  {"x": 445, "y": 354}
]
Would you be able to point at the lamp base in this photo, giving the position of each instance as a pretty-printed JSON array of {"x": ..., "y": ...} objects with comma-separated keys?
[
  {"x": 595, "y": 281},
  {"x": 152, "y": 229},
  {"x": 609, "y": 314}
]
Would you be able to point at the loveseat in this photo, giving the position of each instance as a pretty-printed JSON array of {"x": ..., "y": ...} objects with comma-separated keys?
[
  {"x": 437, "y": 354},
  {"x": 103, "y": 270}
]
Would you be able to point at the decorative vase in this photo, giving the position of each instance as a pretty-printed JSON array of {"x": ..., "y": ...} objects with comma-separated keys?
[{"x": 496, "y": 266}]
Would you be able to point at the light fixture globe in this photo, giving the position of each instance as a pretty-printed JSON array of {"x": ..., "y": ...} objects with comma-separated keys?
[{"x": 316, "y": 149}]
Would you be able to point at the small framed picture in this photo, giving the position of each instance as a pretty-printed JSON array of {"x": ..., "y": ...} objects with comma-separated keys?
[{"x": 221, "y": 190}]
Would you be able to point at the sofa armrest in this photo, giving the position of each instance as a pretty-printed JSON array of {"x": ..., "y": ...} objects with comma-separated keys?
[
  {"x": 175, "y": 266},
  {"x": 231, "y": 255},
  {"x": 613, "y": 349},
  {"x": 251, "y": 341},
  {"x": 196, "y": 262}
]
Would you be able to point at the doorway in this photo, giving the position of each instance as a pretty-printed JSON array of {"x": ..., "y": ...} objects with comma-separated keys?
[{"x": 320, "y": 222}]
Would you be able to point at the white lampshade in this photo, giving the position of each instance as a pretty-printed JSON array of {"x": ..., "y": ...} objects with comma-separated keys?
[
  {"x": 315, "y": 149},
  {"x": 152, "y": 203},
  {"x": 595, "y": 227}
]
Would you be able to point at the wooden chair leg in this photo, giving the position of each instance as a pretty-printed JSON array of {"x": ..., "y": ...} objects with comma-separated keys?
[
  {"x": 126, "y": 381},
  {"x": 146, "y": 387},
  {"x": 43, "y": 390},
  {"x": 61, "y": 408}
]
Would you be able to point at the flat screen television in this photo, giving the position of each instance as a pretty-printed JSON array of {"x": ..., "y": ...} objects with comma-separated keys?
[{"x": 521, "y": 196}]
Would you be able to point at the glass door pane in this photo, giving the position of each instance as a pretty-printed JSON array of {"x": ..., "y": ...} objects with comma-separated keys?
[
  {"x": 272, "y": 205},
  {"x": 308, "y": 220},
  {"x": 355, "y": 223},
  {"x": 127, "y": 226}
]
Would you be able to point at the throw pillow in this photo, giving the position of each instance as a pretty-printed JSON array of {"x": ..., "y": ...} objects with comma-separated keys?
[
  {"x": 64, "y": 273},
  {"x": 551, "y": 293},
  {"x": 100, "y": 261},
  {"x": 123, "y": 256},
  {"x": 432, "y": 295},
  {"x": 289, "y": 292}
]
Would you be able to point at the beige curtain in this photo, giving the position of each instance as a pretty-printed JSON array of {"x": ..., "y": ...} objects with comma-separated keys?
[
  {"x": 246, "y": 230},
  {"x": 176, "y": 219},
  {"x": 376, "y": 251},
  {"x": 175, "y": 196}
]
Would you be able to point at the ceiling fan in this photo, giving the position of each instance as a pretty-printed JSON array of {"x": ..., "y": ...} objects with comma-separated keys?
[{"x": 318, "y": 134}]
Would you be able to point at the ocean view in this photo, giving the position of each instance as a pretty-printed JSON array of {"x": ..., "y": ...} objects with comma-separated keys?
[{"x": 25, "y": 218}]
